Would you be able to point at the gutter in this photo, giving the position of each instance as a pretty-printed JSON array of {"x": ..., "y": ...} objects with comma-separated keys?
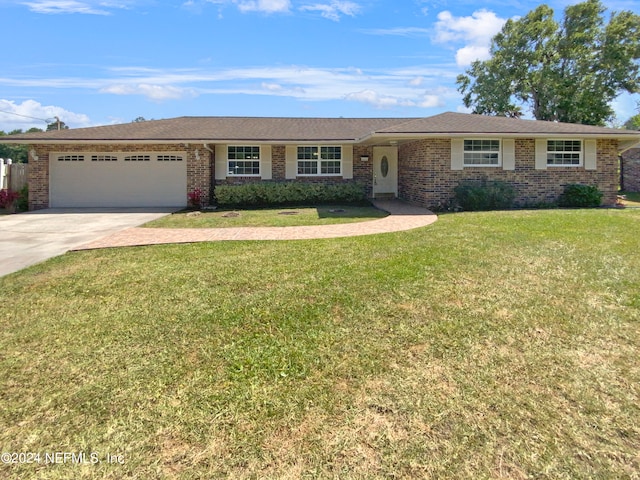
[
  {"x": 40, "y": 141},
  {"x": 384, "y": 138}
]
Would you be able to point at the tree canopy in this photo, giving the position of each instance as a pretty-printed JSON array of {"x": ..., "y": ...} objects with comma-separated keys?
[
  {"x": 633, "y": 123},
  {"x": 57, "y": 125},
  {"x": 17, "y": 153},
  {"x": 569, "y": 71}
]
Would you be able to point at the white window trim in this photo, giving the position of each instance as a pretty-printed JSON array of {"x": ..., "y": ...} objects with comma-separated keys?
[
  {"x": 319, "y": 162},
  {"x": 230, "y": 173},
  {"x": 483, "y": 165},
  {"x": 564, "y": 165}
]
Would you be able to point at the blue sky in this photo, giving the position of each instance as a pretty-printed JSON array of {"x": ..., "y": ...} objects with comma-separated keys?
[{"x": 96, "y": 62}]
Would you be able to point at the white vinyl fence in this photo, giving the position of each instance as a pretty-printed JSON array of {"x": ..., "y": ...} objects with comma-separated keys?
[{"x": 13, "y": 175}]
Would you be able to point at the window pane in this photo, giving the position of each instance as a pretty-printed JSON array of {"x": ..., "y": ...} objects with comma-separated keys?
[
  {"x": 482, "y": 145},
  {"x": 307, "y": 167},
  {"x": 244, "y": 168},
  {"x": 331, "y": 153},
  {"x": 564, "y": 146},
  {"x": 307, "y": 153},
  {"x": 243, "y": 153},
  {"x": 480, "y": 158},
  {"x": 330, "y": 167},
  {"x": 563, "y": 159},
  {"x": 563, "y": 152}
]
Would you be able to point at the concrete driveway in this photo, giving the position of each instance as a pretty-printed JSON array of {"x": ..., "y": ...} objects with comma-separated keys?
[{"x": 31, "y": 237}]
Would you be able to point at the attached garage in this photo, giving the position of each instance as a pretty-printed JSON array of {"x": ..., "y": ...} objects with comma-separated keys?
[{"x": 117, "y": 179}]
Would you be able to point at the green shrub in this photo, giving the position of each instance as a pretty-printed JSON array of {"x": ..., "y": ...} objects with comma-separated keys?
[
  {"x": 288, "y": 193},
  {"x": 474, "y": 195},
  {"x": 576, "y": 195},
  {"x": 22, "y": 203}
]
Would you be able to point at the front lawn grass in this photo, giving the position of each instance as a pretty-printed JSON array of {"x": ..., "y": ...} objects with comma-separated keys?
[
  {"x": 487, "y": 345},
  {"x": 271, "y": 217}
]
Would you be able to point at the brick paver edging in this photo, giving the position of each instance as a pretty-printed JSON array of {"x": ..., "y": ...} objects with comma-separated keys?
[{"x": 401, "y": 217}]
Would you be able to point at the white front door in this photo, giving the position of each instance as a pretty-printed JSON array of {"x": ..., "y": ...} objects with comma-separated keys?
[{"x": 385, "y": 171}]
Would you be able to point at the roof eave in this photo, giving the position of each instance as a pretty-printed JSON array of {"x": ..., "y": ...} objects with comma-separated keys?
[
  {"x": 175, "y": 141},
  {"x": 386, "y": 137},
  {"x": 628, "y": 145}
]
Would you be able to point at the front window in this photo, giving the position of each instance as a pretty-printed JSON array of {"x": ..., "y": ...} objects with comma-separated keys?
[
  {"x": 243, "y": 160},
  {"x": 482, "y": 153},
  {"x": 564, "y": 153},
  {"x": 313, "y": 160}
]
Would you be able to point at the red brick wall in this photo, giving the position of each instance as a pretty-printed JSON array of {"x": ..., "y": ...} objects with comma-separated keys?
[
  {"x": 363, "y": 171},
  {"x": 426, "y": 178},
  {"x": 278, "y": 162},
  {"x": 199, "y": 168},
  {"x": 631, "y": 170},
  {"x": 38, "y": 177}
]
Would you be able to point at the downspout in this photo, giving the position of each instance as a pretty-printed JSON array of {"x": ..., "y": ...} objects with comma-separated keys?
[{"x": 212, "y": 168}]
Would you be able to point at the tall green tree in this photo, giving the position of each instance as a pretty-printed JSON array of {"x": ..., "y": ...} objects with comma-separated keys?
[{"x": 568, "y": 71}]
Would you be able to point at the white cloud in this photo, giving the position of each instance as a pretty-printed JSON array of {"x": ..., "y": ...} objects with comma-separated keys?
[
  {"x": 479, "y": 28},
  {"x": 431, "y": 101},
  {"x": 475, "y": 32},
  {"x": 266, "y": 6},
  {"x": 373, "y": 98},
  {"x": 152, "y": 92},
  {"x": 87, "y": 7},
  {"x": 334, "y": 10},
  {"x": 272, "y": 87},
  {"x": 383, "y": 101},
  {"x": 407, "y": 87},
  {"x": 331, "y": 9},
  {"x": 64, "y": 6},
  {"x": 399, "y": 31},
  {"x": 467, "y": 55},
  {"x": 31, "y": 113}
]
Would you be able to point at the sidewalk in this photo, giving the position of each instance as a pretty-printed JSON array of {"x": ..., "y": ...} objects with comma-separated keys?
[{"x": 402, "y": 216}]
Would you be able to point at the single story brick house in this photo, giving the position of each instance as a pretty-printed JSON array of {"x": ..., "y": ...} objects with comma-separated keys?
[{"x": 421, "y": 160}]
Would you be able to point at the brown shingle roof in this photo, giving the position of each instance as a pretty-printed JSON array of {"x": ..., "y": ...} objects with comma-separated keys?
[
  {"x": 460, "y": 123},
  {"x": 274, "y": 129},
  {"x": 184, "y": 129}
]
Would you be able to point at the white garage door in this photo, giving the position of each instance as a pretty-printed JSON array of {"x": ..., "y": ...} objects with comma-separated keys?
[{"x": 118, "y": 179}]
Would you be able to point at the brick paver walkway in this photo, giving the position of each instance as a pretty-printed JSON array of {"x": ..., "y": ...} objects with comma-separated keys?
[{"x": 402, "y": 217}]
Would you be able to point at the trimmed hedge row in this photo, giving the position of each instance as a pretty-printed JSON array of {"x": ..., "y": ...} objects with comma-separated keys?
[
  {"x": 484, "y": 195},
  {"x": 289, "y": 193}
]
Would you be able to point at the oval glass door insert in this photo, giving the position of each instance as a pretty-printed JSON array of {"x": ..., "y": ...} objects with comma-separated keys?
[{"x": 384, "y": 166}]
